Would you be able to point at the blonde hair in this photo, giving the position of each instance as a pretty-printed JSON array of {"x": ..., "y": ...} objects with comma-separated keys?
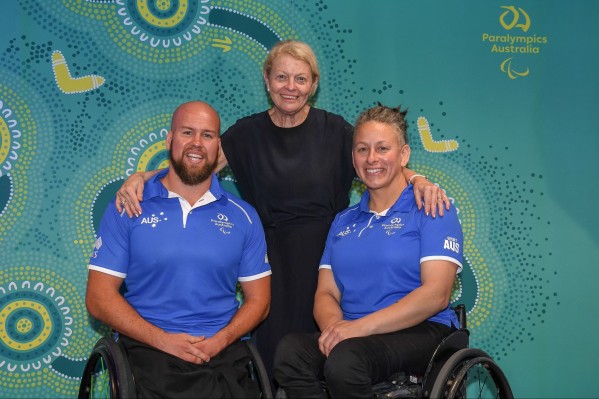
[
  {"x": 298, "y": 50},
  {"x": 395, "y": 117}
]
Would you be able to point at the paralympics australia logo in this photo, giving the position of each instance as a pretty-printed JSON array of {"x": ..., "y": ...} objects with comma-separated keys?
[
  {"x": 223, "y": 224},
  {"x": 515, "y": 41},
  {"x": 392, "y": 226}
]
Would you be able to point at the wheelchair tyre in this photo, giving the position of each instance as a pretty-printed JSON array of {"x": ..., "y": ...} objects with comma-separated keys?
[
  {"x": 471, "y": 373},
  {"x": 107, "y": 373},
  {"x": 258, "y": 371}
]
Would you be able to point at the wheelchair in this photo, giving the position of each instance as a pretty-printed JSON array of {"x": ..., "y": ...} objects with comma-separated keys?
[
  {"x": 455, "y": 371},
  {"x": 107, "y": 373}
]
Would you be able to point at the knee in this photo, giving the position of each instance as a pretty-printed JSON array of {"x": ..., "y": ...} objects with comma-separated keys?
[
  {"x": 288, "y": 357},
  {"x": 345, "y": 366}
]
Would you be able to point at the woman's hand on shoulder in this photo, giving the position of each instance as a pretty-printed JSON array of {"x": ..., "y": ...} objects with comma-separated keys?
[
  {"x": 431, "y": 196},
  {"x": 130, "y": 194}
]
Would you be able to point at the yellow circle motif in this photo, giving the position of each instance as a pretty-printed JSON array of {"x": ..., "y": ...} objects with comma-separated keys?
[
  {"x": 4, "y": 140},
  {"x": 163, "y": 5},
  {"x": 142, "y": 6},
  {"x": 42, "y": 336},
  {"x": 149, "y": 153},
  {"x": 24, "y": 326}
]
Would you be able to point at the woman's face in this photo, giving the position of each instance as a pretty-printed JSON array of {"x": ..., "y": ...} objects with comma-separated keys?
[
  {"x": 378, "y": 156},
  {"x": 289, "y": 84}
]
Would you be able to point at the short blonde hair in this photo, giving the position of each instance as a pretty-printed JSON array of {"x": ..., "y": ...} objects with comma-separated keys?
[
  {"x": 395, "y": 117},
  {"x": 298, "y": 50}
]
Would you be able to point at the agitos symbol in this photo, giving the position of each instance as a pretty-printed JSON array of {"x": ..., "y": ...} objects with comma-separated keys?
[{"x": 506, "y": 66}]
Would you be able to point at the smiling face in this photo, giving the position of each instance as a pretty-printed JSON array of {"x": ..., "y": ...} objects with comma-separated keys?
[
  {"x": 290, "y": 85},
  {"x": 379, "y": 156},
  {"x": 193, "y": 142}
]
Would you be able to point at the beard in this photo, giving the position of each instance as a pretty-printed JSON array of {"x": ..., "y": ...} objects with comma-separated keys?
[{"x": 189, "y": 176}]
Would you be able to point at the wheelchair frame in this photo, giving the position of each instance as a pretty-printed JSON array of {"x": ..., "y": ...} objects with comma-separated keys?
[
  {"x": 447, "y": 374},
  {"x": 108, "y": 370}
]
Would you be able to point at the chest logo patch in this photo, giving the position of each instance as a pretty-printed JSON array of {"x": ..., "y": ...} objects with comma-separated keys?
[
  {"x": 393, "y": 224},
  {"x": 347, "y": 231},
  {"x": 154, "y": 219},
  {"x": 222, "y": 221}
]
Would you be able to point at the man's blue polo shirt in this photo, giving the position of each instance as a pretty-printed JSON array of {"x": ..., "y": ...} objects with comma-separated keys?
[
  {"x": 181, "y": 263},
  {"x": 376, "y": 259}
]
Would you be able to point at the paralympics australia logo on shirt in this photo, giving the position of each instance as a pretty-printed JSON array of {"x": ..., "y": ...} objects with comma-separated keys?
[
  {"x": 222, "y": 222},
  {"x": 393, "y": 224}
]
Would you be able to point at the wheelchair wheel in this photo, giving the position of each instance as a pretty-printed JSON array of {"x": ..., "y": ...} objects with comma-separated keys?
[
  {"x": 258, "y": 371},
  {"x": 471, "y": 373},
  {"x": 107, "y": 373}
]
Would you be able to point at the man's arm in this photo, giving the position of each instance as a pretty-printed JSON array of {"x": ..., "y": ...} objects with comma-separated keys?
[
  {"x": 255, "y": 307},
  {"x": 131, "y": 192},
  {"x": 105, "y": 303}
]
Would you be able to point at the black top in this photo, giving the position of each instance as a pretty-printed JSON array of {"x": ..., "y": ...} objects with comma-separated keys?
[{"x": 292, "y": 173}]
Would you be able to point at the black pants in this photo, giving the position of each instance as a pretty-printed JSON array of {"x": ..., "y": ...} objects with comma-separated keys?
[
  {"x": 294, "y": 252},
  {"x": 354, "y": 364},
  {"x": 160, "y": 375}
]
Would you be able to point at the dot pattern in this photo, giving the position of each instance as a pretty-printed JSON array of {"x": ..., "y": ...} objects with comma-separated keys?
[{"x": 75, "y": 150}]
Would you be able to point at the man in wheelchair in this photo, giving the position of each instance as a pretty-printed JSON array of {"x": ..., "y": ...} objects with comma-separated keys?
[
  {"x": 385, "y": 278},
  {"x": 181, "y": 259}
]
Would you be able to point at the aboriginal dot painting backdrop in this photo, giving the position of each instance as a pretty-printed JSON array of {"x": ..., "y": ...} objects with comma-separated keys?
[{"x": 502, "y": 101}]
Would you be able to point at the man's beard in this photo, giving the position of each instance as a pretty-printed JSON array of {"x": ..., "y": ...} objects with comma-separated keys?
[{"x": 192, "y": 177}]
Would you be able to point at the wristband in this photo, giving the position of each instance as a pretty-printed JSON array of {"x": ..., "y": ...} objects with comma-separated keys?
[{"x": 414, "y": 176}]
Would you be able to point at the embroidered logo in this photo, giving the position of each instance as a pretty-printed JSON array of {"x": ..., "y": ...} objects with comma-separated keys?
[
  {"x": 391, "y": 227},
  {"x": 97, "y": 246},
  {"x": 452, "y": 244},
  {"x": 347, "y": 231},
  {"x": 222, "y": 221},
  {"x": 154, "y": 219}
]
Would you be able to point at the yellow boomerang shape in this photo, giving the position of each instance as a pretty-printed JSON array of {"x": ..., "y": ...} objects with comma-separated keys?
[
  {"x": 430, "y": 144},
  {"x": 66, "y": 83}
]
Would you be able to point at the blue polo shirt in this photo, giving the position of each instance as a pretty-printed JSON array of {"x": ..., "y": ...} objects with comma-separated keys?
[
  {"x": 181, "y": 262},
  {"x": 376, "y": 259}
]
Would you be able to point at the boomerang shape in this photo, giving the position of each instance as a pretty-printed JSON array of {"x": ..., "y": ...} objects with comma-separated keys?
[
  {"x": 68, "y": 84},
  {"x": 429, "y": 143}
]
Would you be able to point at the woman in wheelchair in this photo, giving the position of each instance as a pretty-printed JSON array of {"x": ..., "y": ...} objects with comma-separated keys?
[{"x": 385, "y": 278}]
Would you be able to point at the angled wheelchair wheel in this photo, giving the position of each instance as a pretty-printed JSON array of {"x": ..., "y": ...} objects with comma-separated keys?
[
  {"x": 107, "y": 373},
  {"x": 258, "y": 371},
  {"x": 471, "y": 373}
]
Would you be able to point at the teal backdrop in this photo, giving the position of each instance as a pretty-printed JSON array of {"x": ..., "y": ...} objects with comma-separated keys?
[{"x": 502, "y": 99}]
